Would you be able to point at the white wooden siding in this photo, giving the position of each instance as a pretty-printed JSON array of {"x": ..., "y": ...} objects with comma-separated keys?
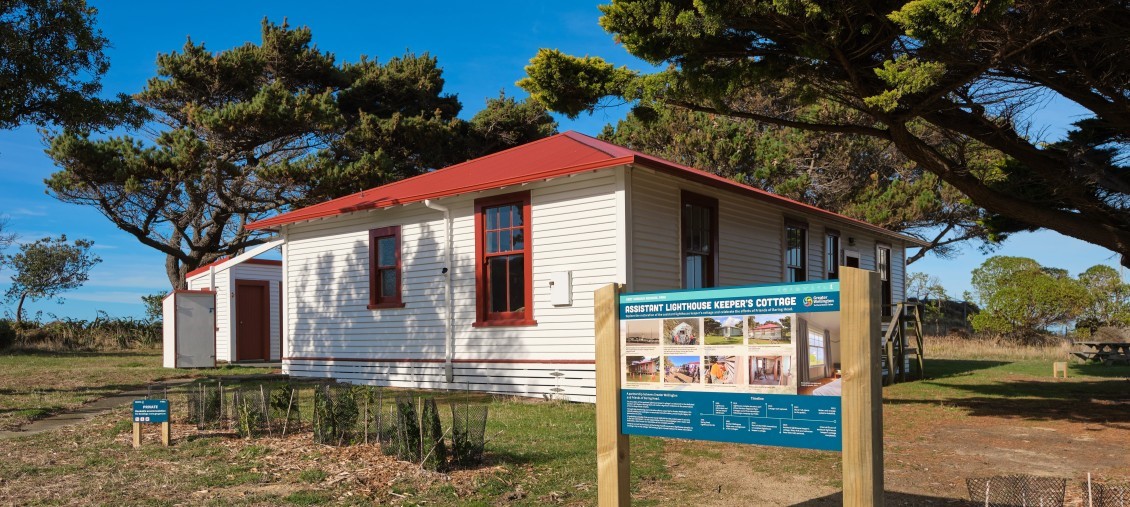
[
  {"x": 331, "y": 333},
  {"x": 273, "y": 276},
  {"x": 225, "y": 304},
  {"x": 751, "y": 237}
]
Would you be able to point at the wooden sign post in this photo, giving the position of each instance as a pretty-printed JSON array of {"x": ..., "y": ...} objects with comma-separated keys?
[
  {"x": 612, "y": 458},
  {"x": 862, "y": 395},
  {"x": 804, "y": 421}
]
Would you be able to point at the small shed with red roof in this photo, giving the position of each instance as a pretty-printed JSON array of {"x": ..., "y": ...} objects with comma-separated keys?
[
  {"x": 248, "y": 307},
  {"x": 480, "y": 276}
]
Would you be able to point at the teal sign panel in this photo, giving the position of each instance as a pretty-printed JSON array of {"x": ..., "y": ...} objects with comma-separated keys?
[{"x": 151, "y": 411}]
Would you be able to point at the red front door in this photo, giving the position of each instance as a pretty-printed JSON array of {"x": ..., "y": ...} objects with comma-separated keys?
[{"x": 252, "y": 324}]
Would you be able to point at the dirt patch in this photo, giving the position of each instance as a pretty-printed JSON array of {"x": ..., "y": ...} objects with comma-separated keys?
[
  {"x": 936, "y": 459},
  {"x": 709, "y": 473}
]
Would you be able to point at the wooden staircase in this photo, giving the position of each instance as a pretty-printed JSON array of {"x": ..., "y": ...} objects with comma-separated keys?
[{"x": 902, "y": 341}]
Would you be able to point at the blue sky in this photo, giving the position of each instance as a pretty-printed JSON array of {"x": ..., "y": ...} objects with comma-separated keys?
[{"x": 482, "y": 50}]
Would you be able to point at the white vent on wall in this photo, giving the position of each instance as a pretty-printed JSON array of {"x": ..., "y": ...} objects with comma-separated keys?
[{"x": 561, "y": 288}]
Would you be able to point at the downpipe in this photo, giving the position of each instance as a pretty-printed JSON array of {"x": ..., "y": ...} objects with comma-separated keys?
[{"x": 449, "y": 307}]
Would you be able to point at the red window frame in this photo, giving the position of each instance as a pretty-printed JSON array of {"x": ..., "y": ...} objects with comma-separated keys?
[
  {"x": 710, "y": 278},
  {"x": 375, "y": 300},
  {"x": 483, "y": 316}
]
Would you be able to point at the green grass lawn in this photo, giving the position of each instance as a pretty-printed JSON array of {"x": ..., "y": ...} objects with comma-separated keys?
[
  {"x": 717, "y": 339},
  {"x": 37, "y": 384},
  {"x": 1019, "y": 389},
  {"x": 538, "y": 453}
]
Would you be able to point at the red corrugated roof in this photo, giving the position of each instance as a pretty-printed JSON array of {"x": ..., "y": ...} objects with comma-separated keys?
[
  {"x": 559, "y": 155},
  {"x": 221, "y": 260}
]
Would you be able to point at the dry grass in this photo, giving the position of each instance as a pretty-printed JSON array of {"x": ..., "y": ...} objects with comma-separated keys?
[
  {"x": 36, "y": 384},
  {"x": 955, "y": 347}
]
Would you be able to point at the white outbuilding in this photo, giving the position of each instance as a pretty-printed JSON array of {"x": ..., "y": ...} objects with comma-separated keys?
[{"x": 248, "y": 326}]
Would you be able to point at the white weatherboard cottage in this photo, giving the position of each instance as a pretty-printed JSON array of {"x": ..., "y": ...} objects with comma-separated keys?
[{"x": 480, "y": 276}]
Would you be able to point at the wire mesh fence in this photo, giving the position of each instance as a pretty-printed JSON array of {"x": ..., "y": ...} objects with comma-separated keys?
[
  {"x": 1106, "y": 495},
  {"x": 468, "y": 433},
  {"x": 407, "y": 425},
  {"x": 1017, "y": 491}
]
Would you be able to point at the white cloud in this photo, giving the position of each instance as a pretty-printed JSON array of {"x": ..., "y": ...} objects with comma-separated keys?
[
  {"x": 27, "y": 212},
  {"x": 128, "y": 297}
]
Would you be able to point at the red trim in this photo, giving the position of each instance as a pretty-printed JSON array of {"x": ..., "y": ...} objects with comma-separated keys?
[
  {"x": 375, "y": 300},
  {"x": 266, "y": 316},
  {"x": 299, "y": 216},
  {"x": 688, "y": 197},
  {"x": 191, "y": 291},
  {"x": 408, "y": 190},
  {"x": 483, "y": 317},
  {"x": 505, "y": 323},
  {"x": 221, "y": 260},
  {"x": 440, "y": 361}
]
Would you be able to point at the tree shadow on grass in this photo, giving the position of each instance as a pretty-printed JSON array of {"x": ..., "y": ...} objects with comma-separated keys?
[
  {"x": 79, "y": 353},
  {"x": 1100, "y": 370},
  {"x": 891, "y": 498},
  {"x": 1104, "y": 402},
  {"x": 946, "y": 368}
]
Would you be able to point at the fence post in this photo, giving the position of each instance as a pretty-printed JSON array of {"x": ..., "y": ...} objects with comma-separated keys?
[
  {"x": 862, "y": 400},
  {"x": 612, "y": 458}
]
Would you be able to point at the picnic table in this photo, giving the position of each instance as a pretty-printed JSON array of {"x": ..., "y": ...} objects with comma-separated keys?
[{"x": 1104, "y": 352}]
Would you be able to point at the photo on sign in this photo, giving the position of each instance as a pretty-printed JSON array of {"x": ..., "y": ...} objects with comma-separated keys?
[
  {"x": 681, "y": 331},
  {"x": 681, "y": 369},
  {"x": 818, "y": 353},
  {"x": 771, "y": 370},
  {"x": 641, "y": 332},
  {"x": 642, "y": 369},
  {"x": 770, "y": 329},
  {"x": 723, "y": 330},
  {"x": 721, "y": 370}
]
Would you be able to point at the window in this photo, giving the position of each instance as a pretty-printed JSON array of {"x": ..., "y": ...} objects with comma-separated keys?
[
  {"x": 699, "y": 240},
  {"x": 832, "y": 255},
  {"x": 796, "y": 252},
  {"x": 384, "y": 268},
  {"x": 883, "y": 265},
  {"x": 817, "y": 351},
  {"x": 503, "y": 273}
]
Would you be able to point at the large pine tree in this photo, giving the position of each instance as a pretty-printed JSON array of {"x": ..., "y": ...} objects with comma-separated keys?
[{"x": 251, "y": 130}]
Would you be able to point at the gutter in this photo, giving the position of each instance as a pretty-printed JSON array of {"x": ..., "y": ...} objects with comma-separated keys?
[{"x": 449, "y": 306}]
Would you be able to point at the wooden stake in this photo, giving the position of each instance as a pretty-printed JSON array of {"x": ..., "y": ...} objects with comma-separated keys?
[
  {"x": 166, "y": 433},
  {"x": 266, "y": 408},
  {"x": 136, "y": 435},
  {"x": 288, "y": 405},
  {"x": 862, "y": 401},
  {"x": 612, "y": 456}
]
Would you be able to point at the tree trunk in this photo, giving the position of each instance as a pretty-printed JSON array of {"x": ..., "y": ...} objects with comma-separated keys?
[
  {"x": 20, "y": 311},
  {"x": 176, "y": 273}
]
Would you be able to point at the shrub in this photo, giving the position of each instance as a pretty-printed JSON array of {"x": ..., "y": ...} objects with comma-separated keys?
[{"x": 7, "y": 334}]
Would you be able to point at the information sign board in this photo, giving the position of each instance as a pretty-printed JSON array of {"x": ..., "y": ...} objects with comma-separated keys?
[
  {"x": 151, "y": 411},
  {"x": 757, "y": 364}
]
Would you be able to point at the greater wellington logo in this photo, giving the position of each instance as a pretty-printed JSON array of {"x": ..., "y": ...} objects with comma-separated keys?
[{"x": 807, "y": 300}]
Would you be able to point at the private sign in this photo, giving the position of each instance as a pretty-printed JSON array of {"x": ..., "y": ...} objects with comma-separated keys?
[{"x": 151, "y": 411}]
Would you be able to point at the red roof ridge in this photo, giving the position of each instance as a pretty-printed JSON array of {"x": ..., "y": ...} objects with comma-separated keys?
[
  {"x": 222, "y": 260},
  {"x": 525, "y": 165}
]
